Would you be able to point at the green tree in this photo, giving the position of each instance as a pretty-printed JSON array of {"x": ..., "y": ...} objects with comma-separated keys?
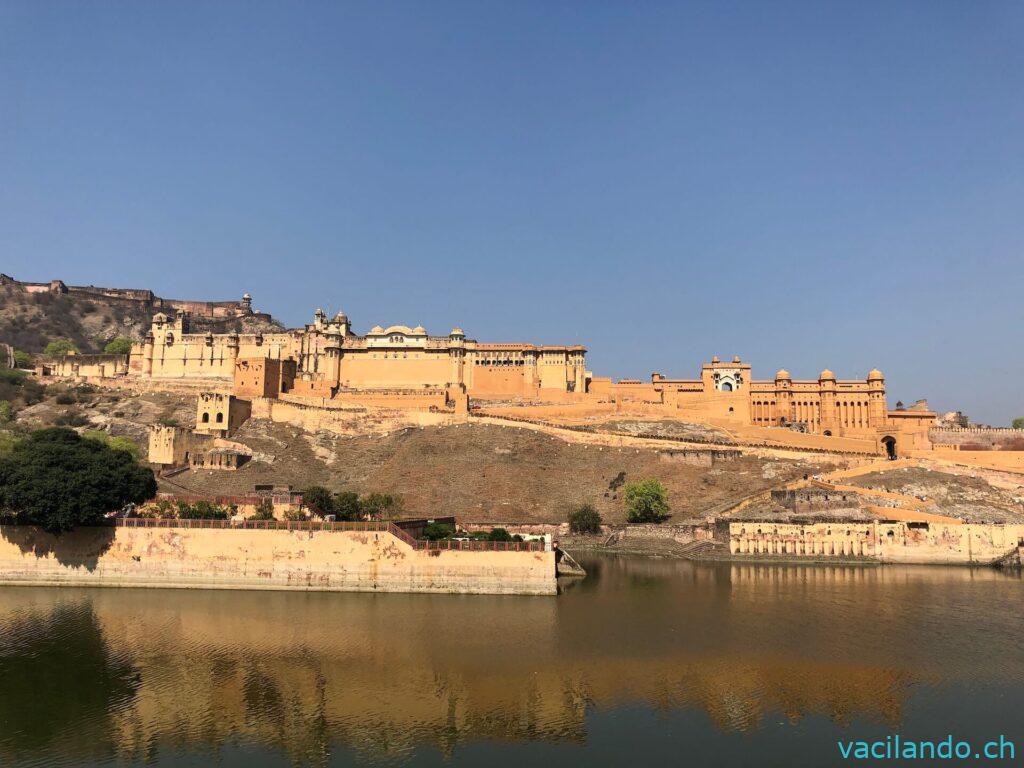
[
  {"x": 264, "y": 509},
  {"x": 1018, "y": 423},
  {"x": 380, "y": 506},
  {"x": 585, "y": 519},
  {"x": 59, "y": 348},
  {"x": 645, "y": 501},
  {"x": 318, "y": 499},
  {"x": 346, "y": 505},
  {"x": 58, "y": 479},
  {"x": 22, "y": 359},
  {"x": 118, "y": 443},
  {"x": 500, "y": 534},
  {"x": 121, "y": 345}
]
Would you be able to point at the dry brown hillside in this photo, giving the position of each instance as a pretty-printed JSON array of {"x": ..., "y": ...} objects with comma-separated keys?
[
  {"x": 29, "y": 321},
  {"x": 485, "y": 472}
]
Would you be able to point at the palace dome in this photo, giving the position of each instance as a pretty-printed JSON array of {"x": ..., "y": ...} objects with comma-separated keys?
[
  {"x": 456, "y": 331},
  {"x": 826, "y": 375},
  {"x": 782, "y": 374},
  {"x": 875, "y": 375},
  {"x": 341, "y": 317},
  {"x": 419, "y": 330},
  {"x": 376, "y": 330}
]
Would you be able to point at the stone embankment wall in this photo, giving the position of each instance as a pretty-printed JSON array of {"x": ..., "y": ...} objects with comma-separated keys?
[
  {"x": 341, "y": 561},
  {"x": 887, "y": 542}
]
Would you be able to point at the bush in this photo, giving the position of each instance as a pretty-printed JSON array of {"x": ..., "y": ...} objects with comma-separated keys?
[
  {"x": 57, "y": 479},
  {"x": 22, "y": 359},
  {"x": 119, "y": 346},
  {"x": 585, "y": 519},
  {"x": 12, "y": 377},
  {"x": 438, "y": 531},
  {"x": 264, "y": 509},
  {"x": 71, "y": 419},
  {"x": 296, "y": 515},
  {"x": 6, "y": 412},
  {"x": 318, "y": 499},
  {"x": 1018, "y": 423},
  {"x": 60, "y": 348},
  {"x": 645, "y": 501},
  {"x": 66, "y": 398},
  {"x": 202, "y": 510}
]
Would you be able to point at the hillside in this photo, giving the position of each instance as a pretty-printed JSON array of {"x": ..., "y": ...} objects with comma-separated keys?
[{"x": 29, "y": 321}]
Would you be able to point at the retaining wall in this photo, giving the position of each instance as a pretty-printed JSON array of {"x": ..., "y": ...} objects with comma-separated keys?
[{"x": 341, "y": 561}]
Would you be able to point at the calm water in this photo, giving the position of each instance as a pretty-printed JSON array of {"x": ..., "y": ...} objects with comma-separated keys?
[{"x": 646, "y": 661}]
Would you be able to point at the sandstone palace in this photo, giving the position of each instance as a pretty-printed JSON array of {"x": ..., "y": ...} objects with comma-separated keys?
[{"x": 327, "y": 365}]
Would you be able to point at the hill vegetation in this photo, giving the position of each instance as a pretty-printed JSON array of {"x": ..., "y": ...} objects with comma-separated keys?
[{"x": 31, "y": 321}]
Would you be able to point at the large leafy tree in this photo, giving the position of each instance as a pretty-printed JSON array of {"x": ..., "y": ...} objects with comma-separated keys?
[
  {"x": 58, "y": 479},
  {"x": 645, "y": 501}
]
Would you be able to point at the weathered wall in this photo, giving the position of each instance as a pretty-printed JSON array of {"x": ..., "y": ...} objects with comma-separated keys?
[
  {"x": 340, "y": 561},
  {"x": 891, "y": 542}
]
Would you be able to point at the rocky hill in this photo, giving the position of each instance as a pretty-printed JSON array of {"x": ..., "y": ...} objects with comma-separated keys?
[{"x": 29, "y": 321}]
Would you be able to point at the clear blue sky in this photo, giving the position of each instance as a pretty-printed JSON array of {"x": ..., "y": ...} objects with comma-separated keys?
[{"x": 803, "y": 184}]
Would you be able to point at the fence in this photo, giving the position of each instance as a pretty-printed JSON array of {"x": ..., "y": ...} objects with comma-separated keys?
[{"x": 373, "y": 526}]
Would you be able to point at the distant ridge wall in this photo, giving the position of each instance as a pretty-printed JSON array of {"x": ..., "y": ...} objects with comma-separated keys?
[{"x": 990, "y": 436}]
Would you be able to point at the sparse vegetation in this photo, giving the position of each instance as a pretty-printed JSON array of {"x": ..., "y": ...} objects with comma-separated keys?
[
  {"x": 60, "y": 348},
  {"x": 118, "y": 346},
  {"x": 585, "y": 519},
  {"x": 203, "y": 510},
  {"x": 645, "y": 501},
  {"x": 117, "y": 443},
  {"x": 22, "y": 359}
]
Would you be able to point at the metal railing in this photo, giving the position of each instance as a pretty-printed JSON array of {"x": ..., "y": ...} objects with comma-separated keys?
[{"x": 374, "y": 526}]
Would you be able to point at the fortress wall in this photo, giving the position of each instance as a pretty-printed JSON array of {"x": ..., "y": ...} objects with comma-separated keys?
[
  {"x": 992, "y": 436},
  {"x": 340, "y": 561},
  {"x": 329, "y": 416}
]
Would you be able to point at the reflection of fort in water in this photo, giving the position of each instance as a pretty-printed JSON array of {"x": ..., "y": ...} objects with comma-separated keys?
[{"x": 384, "y": 674}]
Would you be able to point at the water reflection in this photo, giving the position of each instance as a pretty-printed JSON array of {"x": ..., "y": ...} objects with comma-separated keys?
[{"x": 139, "y": 673}]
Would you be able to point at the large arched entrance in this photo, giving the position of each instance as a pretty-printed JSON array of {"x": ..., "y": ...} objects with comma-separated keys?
[{"x": 889, "y": 442}]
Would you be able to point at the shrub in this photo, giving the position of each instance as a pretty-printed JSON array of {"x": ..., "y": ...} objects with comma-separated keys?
[
  {"x": 438, "y": 531},
  {"x": 6, "y": 412},
  {"x": 1018, "y": 423},
  {"x": 60, "y": 348},
  {"x": 22, "y": 359},
  {"x": 65, "y": 398},
  {"x": 202, "y": 510},
  {"x": 119, "y": 346},
  {"x": 645, "y": 501},
  {"x": 57, "y": 479},
  {"x": 264, "y": 509},
  {"x": 499, "y": 535},
  {"x": 296, "y": 515},
  {"x": 71, "y": 419},
  {"x": 585, "y": 519}
]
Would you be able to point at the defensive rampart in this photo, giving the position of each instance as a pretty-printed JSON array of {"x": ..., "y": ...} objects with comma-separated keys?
[{"x": 340, "y": 557}]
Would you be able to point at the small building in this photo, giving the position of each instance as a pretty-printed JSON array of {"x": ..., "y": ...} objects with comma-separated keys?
[{"x": 220, "y": 414}]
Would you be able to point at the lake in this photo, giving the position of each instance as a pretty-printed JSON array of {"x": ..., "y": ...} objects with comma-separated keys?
[{"x": 645, "y": 661}]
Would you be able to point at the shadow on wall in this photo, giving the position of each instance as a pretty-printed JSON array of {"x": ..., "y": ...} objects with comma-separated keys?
[{"x": 80, "y": 548}]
